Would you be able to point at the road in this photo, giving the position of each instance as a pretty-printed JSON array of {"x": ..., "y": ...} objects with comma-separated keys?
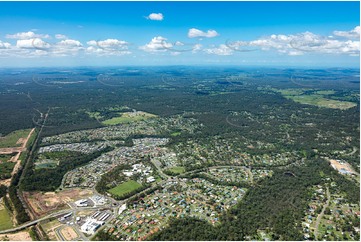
[{"x": 322, "y": 212}]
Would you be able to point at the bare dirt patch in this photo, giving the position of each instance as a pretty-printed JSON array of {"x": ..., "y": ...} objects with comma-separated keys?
[
  {"x": 69, "y": 233},
  {"x": 43, "y": 203},
  {"x": 20, "y": 141},
  {"x": 339, "y": 165},
  {"x": 20, "y": 236}
]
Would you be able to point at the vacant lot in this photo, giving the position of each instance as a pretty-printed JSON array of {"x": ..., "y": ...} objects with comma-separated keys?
[
  {"x": 125, "y": 188},
  {"x": 14, "y": 139},
  {"x": 43, "y": 203},
  {"x": 129, "y": 117},
  {"x": 5, "y": 219},
  {"x": 177, "y": 169},
  {"x": 69, "y": 233},
  {"x": 19, "y": 236}
]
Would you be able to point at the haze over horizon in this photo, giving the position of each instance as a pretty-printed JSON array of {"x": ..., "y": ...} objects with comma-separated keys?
[{"x": 269, "y": 34}]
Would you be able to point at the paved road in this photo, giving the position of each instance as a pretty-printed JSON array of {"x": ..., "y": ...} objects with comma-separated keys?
[{"x": 322, "y": 212}]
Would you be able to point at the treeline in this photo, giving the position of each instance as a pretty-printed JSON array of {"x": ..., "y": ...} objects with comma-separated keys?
[
  {"x": 47, "y": 179},
  {"x": 3, "y": 190},
  {"x": 112, "y": 178},
  {"x": 216, "y": 181},
  {"x": 276, "y": 204},
  {"x": 143, "y": 194},
  {"x": 21, "y": 214}
]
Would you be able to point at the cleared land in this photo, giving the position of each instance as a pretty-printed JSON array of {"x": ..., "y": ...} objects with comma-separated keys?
[
  {"x": 337, "y": 165},
  {"x": 14, "y": 139},
  {"x": 315, "y": 98},
  {"x": 69, "y": 233},
  {"x": 20, "y": 236},
  {"x": 129, "y": 117},
  {"x": 5, "y": 219},
  {"x": 177, "y": 169},
  {"x": 43, "y": 203},
  {"x": 125, "y": 188},
  {"x": 49, "y": 228}
]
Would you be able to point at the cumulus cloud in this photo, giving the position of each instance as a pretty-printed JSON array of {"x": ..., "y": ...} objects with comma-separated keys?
[
  {"x": 108, "y": 47},
  {"x": 196, "y": 33},
  {"x": 35, "y": 43},
  {"x": 109, "y": 43},
  {"x": 60, "y": 36},
  {"x": 305, "y": 42},
  {"x": 221, "y": 50},
  {"x": 157, "y": 44},
  {"x": 27, "y": 35},
  {"x": 354, "y": 33},
  {"x": 4, "y": 45},
  {"x": 155, "y": 16},
  {"x": 70, "y": 43}
]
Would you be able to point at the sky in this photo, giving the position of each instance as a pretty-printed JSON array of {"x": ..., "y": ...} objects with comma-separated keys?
[{"x": 289, "y": 34}]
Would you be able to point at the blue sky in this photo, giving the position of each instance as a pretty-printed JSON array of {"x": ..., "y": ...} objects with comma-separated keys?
[{"x": 302, "y": 34}]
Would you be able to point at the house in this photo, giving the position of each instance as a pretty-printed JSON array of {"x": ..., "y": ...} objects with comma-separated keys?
[{"x": 150, "y": 179}]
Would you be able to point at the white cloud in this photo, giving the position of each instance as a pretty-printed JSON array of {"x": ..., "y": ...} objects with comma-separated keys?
[
  {"x": 155, "y": 16},
  {"x": 221, "y": 50},
  {"x": 60, "y": 36},
  {"x": 4, "y": 45},
  {"x": 196, "y": 48},
  {"x": 27, "y": 35},
  {"x": 109, "y": 43},
  {"x": 35, "y": 43},
  {"x": 70, "y": 43},
  {"x": 108, "y": 47},
  {"x": 305, "y": 42},
  {"x": 354, "y": 33},
  {"x": 157, "y": 44},
  {"x": 194, "y": 33}
]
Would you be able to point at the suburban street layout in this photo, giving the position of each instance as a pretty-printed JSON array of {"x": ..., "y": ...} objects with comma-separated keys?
[{"x": 185, "y": 121}]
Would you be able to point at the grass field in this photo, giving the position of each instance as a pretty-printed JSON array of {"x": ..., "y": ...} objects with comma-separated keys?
[
  {"x": 175, "y": 134},
  {"x": 125, "y": 188},
  {"x": 177, "y": 169},
  {"x": 5, "y": 219},
  {"x": 129, "y": 117},
  {"x": 320, "y": 101},
  {"x": 11, "y": 139},
  {"x": 315, "y": 97}
]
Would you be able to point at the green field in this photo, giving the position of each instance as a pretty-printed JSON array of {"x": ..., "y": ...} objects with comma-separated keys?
[
  {"x": 48, "y": 165},
  {"x": 11, "y": 139},
  {"x": 177, "y": 169},
  {"x": 318, "y": 100},
  {"x": 129, "y": 117},
  {"x": 174, "y": 134},
  {"x": 315, "y": 98},
  {"x": 325, "y": 92},
  {"x": 5, "y": 219},
  {"x": 125, "y": 188}
]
